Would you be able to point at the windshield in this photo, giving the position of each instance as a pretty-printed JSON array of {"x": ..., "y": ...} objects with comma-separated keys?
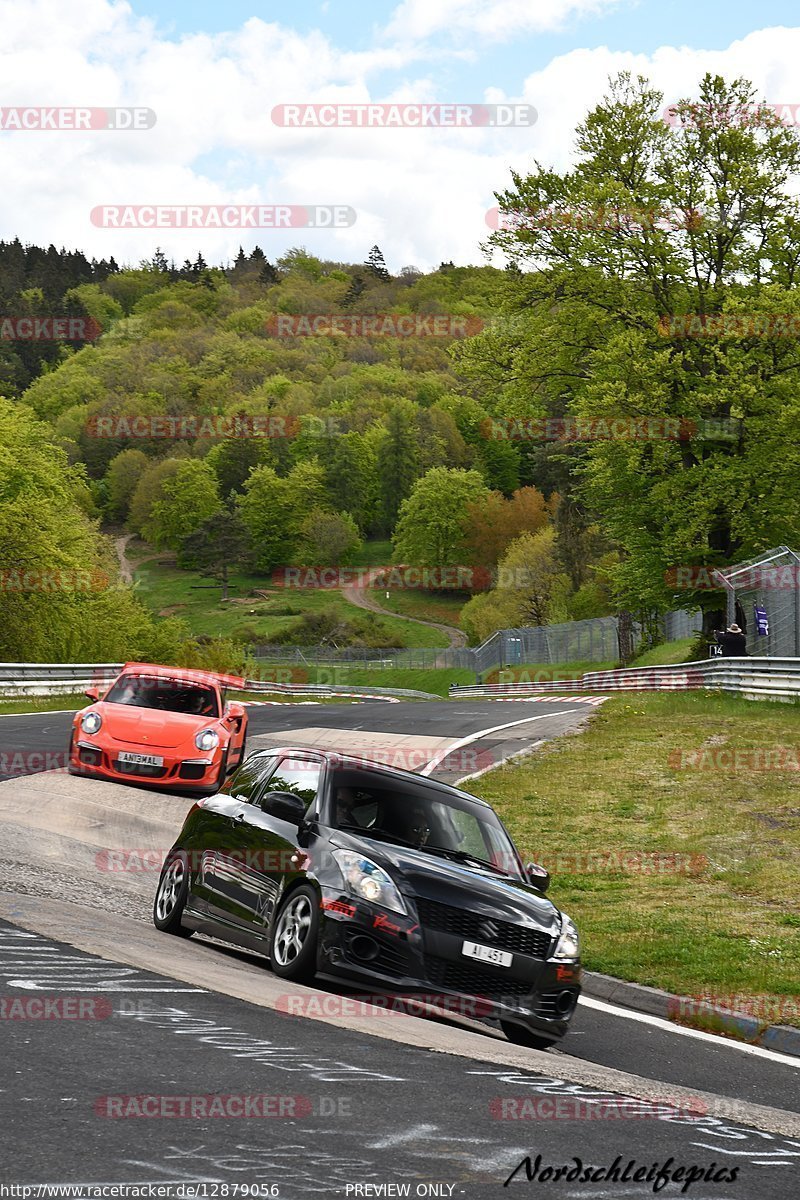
[
  {"x": 421, "y": 815},
  {"x": 167, "y": 695}
]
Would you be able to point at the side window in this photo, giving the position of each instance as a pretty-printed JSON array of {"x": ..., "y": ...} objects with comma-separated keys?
[
  {"x": 298, "y": 776},
  {"x": 247, "y": 781}
]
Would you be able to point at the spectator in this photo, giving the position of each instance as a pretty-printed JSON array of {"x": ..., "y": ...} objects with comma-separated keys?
[{"x": 732, "y": 641}]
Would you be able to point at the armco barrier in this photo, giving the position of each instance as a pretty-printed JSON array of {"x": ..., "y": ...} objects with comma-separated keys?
[
  {"x": 753, "y": 678},
  {"x": 58, "y": 679}
]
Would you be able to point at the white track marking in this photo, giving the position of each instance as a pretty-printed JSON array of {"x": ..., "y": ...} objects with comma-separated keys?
[
  {"x": 503, "y": 762},
  {"x": 713, "y": 1039},
  {"x": 440, "y": 755}
]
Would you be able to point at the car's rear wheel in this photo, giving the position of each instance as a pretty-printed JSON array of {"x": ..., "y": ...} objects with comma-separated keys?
[
  {"x": 293, "y": 948},
  {"x": 171, "y": 896},
  {"x": 521, "y": 1036}
]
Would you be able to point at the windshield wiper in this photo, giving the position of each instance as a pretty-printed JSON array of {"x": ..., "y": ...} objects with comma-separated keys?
[
  {"x": 464, "y": 856},
  {"x": 381, "y": 835}
]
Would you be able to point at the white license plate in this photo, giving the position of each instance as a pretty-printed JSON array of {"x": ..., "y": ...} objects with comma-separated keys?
[
  {"x": 498, "y": 958},
  {"x": 143, "y": 760}
]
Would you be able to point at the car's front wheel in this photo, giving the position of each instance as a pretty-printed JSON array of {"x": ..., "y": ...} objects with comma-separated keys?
[
  {"x": 171, "y": 896},
  {"x": 293, "y": 948},
  {"x": 521, "y": 1036}
]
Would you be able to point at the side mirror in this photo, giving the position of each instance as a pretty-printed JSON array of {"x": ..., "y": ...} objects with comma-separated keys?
[
  {"x": 284, "y": 805},
  {"x": 93, "y": 693},
  {"x": 538, "y": 876}
]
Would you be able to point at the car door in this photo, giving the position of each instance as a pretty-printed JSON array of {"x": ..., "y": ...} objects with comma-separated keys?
[
  {"x": 268, "y": 845},
  {"x": 222, "y": 831}
]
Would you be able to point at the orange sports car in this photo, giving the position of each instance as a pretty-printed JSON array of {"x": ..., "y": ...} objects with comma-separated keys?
[{"x": 164, "y": 724}]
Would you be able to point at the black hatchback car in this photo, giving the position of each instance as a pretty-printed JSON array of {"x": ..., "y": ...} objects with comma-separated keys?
[{"x": 345, "y": 870}]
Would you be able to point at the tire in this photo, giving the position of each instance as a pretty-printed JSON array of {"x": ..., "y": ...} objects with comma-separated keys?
[
  {"x": 521, "y": 1036},
  {"x": 171, "y": 896},
  {"x": 293, "y": 945}
]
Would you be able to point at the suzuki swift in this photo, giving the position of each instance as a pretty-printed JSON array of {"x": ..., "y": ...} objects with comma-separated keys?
[{"x": 342, "y": 869}]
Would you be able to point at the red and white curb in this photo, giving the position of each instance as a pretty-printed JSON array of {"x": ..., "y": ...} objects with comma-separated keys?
[{"x": 593, "y": 700}]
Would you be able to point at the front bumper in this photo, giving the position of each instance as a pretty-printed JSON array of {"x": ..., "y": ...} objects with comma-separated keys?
[
  {"x": 190, "y": 772},
  {"x": 393, "y": 953}
]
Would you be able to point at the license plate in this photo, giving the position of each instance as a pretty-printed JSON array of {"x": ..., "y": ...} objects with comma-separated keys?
[
  {"x": 498, "y": 958},
  {"x": 142, "y": 760}
]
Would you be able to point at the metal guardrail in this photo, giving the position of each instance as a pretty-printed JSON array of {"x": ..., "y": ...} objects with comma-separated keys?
[
  {"x": 58, "y": 679},
  {"x": 753, "y": 678}
]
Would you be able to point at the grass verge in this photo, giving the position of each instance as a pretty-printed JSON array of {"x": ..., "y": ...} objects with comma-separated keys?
[
  {"x": 435, "y": 680},
  {"x": 34, "y": 704},
  {"x": 168, "y": 590},
  {"x": 677, "y": 858},
  {"x": 542, "y": 672}
]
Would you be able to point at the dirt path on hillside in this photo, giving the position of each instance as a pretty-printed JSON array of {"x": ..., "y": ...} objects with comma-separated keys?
[
  {"x": 127, "y": 568},
  {"x": 361, "y": 596},
  {"x": 125, "y": 564}
]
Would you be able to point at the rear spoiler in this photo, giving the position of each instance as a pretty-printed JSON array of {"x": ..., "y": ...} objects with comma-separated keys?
[{"x": 192, "y": 675}]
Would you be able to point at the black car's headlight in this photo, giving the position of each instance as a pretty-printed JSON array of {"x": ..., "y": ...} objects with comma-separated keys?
[
  {"x": 365, "y": 879},
  {"x": 568, "y": 944},
  {"x": 91, "y": 722}
]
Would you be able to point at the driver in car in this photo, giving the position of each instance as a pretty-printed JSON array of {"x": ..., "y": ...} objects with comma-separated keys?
[
  {"x": 345, "y": 800},
  {"x": 418, "y": 829}
]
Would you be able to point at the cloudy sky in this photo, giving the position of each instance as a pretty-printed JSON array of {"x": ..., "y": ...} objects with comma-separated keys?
[{"x": 212, "y": 73}]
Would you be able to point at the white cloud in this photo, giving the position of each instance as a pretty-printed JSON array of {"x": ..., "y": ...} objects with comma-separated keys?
[
  {"x": 497, "y": 20},
  {"x": 421, "y": 195}
]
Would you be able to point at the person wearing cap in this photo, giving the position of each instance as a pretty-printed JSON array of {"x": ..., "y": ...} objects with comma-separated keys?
[{"x": 732, "y": 641}]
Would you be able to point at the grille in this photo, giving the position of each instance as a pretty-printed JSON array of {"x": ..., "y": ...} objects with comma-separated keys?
[
  {"x": 547, "y": 1002},
  {"x": 192, "y": 770},
  {"x": 469, "y": 981},
  {"x": 389, "y": 960},
  {"x": 516, "y": 938},
  {"x": 392, "y": 961}
]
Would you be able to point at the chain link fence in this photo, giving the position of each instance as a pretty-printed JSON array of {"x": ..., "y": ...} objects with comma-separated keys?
[
  {"x": 763, "y": 598},
  {"x": 590, "y": 641}
]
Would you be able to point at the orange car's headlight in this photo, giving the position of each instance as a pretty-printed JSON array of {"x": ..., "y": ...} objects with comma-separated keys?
[
  {"x": 207, "y": 739},
  {"x": 91, "y": 722}
]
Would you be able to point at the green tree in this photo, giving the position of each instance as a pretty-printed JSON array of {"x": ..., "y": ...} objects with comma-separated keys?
[
  {"x": 398, "y": 462},
  {"x": 148, "y": 490},
  {"x": 233, "y": 459},
  {"x": 218, "y": 545},
  {"x": 328, "y": 538},
  {"x": 306, "y": 483},
  {"x": 531, "y": 573},
  {"x": 656, "y": 224},
  {"x": 376, "y": 264},
  {"x": 266, "y": 511},
  {"x": 498, "y": 462},
  {"x": 121, "y": 479},
  {"x": 430, "y": 531},
  {"x": 188, "y": 498},
  {"x": 351, "y": 474}
]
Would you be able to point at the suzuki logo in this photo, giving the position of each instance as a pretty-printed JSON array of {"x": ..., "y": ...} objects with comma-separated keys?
[{"x": 488, "y": 930}]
